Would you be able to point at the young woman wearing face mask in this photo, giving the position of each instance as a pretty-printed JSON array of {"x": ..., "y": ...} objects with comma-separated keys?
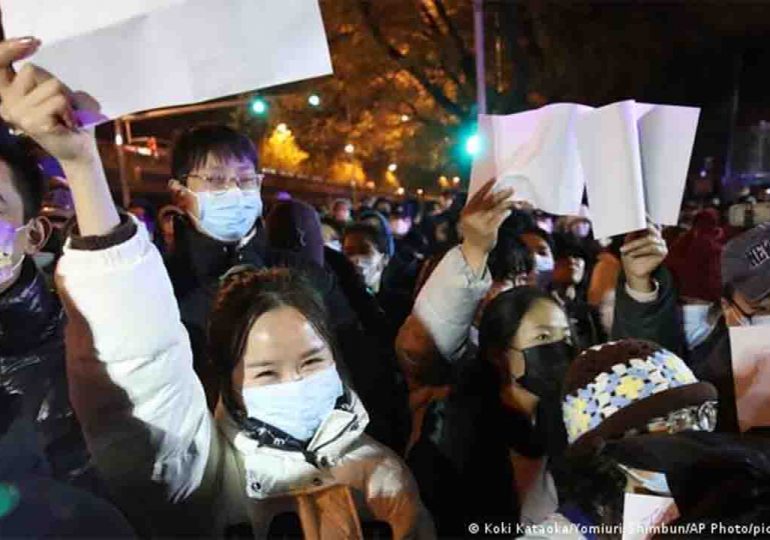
[
  {"x": 287, "y": 435},
  {"x": 471, "y": 410},
  {"x": 525, "y": 335}
]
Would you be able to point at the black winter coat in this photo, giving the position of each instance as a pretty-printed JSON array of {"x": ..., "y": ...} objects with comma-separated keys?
[{"x": 32, "y": 364}]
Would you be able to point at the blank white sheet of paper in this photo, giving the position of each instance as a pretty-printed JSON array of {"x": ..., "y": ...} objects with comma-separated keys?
[
  {"x": 151, "y": 54},
  {"x": 535, "y": 153},
  {"x": 750, "y": 351},
  {"x": 666, "y": 138},
  {"x": 608, "y": 144},
  {"x": 643, "y": 512}
]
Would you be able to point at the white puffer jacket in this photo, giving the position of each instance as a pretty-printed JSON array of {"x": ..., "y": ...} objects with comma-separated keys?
[{"x": 173, "y": 468}]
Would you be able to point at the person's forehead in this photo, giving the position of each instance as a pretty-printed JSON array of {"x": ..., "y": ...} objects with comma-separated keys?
[
  {"x": 281, "y": 333},
  {"x": 541, "y": 313},
  {"x": 216, "y": 161}
]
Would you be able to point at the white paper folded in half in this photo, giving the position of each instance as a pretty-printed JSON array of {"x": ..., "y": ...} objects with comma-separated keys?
[
  {"x": 136, "y": 55},
  {"x": 533, "y": 152},
  {"x": 750, "y": 351},
  {"x": 631, "y": 157}
]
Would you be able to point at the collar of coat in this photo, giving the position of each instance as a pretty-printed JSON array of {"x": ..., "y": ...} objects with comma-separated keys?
[
  {"x": 337, "y": 431},
  {"x": 273, "y": 470}
]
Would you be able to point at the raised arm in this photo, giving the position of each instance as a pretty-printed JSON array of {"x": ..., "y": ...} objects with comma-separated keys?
[
  {"x": 646, "y": 299},
  {"x": 132, "y": 385},
  {"x": 444, "y": 309}
]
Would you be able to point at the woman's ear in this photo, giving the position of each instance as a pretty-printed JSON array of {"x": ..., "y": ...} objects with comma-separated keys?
[{"x": 38, "y": 232}]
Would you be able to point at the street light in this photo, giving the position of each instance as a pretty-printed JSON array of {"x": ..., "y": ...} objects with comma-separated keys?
[
  {"x": 393, "y": 167},
  {"x": 349, "y": 148},
  {"x": 314, "y": 100},
  {"x": 456, "y": 180},
  {"x": 420, "y": 192},
  {"x": 400, "y": 191},
  {"x": 405, "y": 118}
]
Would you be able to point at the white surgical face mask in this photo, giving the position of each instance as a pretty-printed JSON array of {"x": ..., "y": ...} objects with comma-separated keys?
[
  {"x": 334, "y": 244},
  {"x": 228, "y": 215},
  {"x": 654, "y": 482},
  {"x": 10, "y": 261},
  {"x": 370, "y": 269},
  {"x": 298, "y": 407},
  {"x": 760, "y": 320},
  {"x": 698, "y": 320},
  {"x": 544, "y": 263}
]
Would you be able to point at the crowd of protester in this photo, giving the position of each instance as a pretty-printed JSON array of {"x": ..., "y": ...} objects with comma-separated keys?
[{"x": 229, "y": 366}]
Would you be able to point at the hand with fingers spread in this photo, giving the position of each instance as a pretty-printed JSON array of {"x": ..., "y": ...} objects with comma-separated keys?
[
  {"x": 642, "y": 254},
  {"x": 39, "y": 104},
  {"x": 481, "y": 218}
]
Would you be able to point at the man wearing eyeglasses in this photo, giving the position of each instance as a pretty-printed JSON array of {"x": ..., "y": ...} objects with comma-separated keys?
[{"x": 216, "y": 187}]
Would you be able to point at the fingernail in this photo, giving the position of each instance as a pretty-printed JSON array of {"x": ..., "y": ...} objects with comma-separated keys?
[{"x": 26, "y": 41}]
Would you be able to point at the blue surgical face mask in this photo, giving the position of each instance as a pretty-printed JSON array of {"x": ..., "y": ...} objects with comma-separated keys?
[
  {"x": 297, "y": 407},
  {"x": 654, "y": 482},
  {"x": 228, "y": 215},
  {"x": 335, "y": 245},
  {"x": 699, "y": 321},
  {"x": 544, "y": 263}
]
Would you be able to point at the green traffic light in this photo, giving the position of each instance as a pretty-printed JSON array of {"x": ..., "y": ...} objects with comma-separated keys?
[
  {"x": 473, "y": 144},
  {"x": 259, "y": 106}
]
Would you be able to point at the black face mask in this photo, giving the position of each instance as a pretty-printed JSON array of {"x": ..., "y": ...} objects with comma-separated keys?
[{"x": 545, "y": 369}]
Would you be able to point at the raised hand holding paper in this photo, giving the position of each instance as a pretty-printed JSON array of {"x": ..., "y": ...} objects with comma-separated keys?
[
  {"x": 135, "y": 55},
  {"x": 632, "y": 158}
]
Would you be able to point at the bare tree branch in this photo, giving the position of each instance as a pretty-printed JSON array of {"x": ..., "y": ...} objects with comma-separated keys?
[
  {"x": 467, "y": 61},
  {"x": 434, "y": 90}
]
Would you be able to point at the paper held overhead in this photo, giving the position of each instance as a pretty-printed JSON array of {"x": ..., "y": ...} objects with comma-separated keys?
[
  {"x": 527, "y": 151},
  {"x": 136, "y": 55},
  {"x": 631, "y": 157}
]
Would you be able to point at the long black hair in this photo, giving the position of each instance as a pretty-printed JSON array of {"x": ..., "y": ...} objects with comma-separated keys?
[{"x": 502, "y": 318}]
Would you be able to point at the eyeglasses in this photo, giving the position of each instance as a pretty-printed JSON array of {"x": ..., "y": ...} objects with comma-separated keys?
[
  {"x": 701, "y": 417},
  {"x": 748, "y": 318},
  {"x": 220, "y": 182}
]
